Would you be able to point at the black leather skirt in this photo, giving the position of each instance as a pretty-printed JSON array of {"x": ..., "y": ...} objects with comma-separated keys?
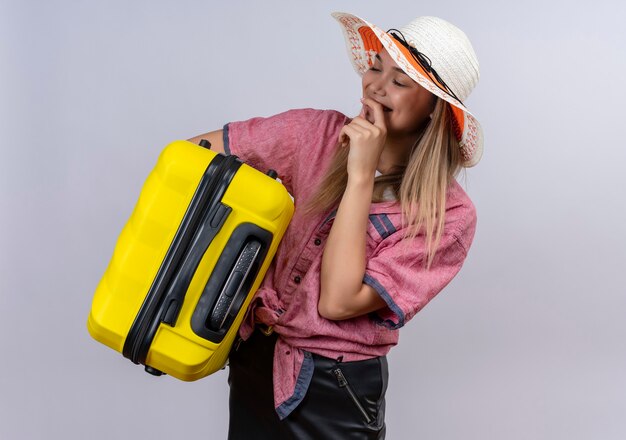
[{"x": 345, "y": 400}]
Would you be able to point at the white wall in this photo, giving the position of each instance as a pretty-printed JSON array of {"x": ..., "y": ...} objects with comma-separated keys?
[{"x": 526, "y": 343}]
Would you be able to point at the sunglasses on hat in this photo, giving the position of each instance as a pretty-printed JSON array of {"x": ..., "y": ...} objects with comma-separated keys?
[{"x": 423, "y": 60}]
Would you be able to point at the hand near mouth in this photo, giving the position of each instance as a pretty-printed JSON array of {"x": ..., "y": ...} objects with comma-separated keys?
[
  {"x": 367, "y": 114},
  {"x": 365, "y": 139}
]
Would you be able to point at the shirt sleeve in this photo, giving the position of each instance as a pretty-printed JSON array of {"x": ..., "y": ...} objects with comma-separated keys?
[
  {"x": 397, "y": 273},
  {"x": 283, "y": 142}
]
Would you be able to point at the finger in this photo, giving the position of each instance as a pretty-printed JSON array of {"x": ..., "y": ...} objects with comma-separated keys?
[
  {"x": 377, "y": 109},
  {"x": 361, "y": 122},
  {"x": 354, "y": 126},
  {"x": 353, "y": 130},
  {"x": 343, "y": 138},
  {"x": 366, "y": 114},
  {"x": 366, "y": 128}
]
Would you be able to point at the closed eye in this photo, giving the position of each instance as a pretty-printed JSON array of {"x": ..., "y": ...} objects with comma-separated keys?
[{"x": 398, "y": 84}]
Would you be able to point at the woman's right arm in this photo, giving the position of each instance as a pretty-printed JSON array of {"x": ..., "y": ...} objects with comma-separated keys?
[{"x": 214, "y": 137}]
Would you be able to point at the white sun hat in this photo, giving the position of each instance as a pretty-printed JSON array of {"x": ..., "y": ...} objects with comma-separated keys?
[{"x": 435, "y": 54}]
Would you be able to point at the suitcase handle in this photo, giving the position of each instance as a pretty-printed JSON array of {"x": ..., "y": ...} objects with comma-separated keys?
[
  {"x": 234, "y": 287},
  {"x": 231, "y": 281}
]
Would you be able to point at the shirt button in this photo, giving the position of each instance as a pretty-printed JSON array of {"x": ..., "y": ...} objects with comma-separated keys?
[
  {"x": 297, "y": 279},
  {"x": 317, "y": 242}
]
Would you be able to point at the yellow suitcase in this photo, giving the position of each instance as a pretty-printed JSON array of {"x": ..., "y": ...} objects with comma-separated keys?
[{"x": 188, "y": 261}]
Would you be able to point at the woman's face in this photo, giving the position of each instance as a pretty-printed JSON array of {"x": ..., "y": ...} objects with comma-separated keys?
[{"x": 406, "y": 104}]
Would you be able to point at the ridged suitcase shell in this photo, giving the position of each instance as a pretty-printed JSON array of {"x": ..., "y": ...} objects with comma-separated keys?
[{"x": 252, "y": 204}]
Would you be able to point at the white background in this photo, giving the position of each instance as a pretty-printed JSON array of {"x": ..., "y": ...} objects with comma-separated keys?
[{"x": 527, "y": 342}]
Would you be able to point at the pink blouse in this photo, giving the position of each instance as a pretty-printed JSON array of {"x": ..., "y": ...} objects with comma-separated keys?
[{"x": 298, "y": 144}]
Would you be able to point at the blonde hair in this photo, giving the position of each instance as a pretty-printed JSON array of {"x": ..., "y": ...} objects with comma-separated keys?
[{"x": 420, "y": 186}]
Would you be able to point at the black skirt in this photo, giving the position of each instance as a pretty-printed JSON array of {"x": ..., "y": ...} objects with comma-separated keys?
[{"x": 345, "y": 400}]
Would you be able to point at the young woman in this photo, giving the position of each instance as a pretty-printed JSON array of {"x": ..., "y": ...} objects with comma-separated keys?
[{"x": 381, "y": 226}]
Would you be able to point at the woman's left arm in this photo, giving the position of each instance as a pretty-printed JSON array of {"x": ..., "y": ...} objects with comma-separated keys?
[{"x": 343, "y": 294}]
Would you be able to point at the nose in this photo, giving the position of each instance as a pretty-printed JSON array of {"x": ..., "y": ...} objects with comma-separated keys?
[{"x": 377, "y": 85}]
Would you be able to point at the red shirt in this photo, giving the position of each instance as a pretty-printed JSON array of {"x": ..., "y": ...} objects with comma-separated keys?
[{"x": 299, "y": 144}]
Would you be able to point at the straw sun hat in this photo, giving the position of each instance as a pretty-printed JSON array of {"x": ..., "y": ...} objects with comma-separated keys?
[{"x": 435, "y": 54}]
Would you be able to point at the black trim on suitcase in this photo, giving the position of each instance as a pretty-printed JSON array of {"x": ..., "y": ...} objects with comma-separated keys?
[
  {"x": 202, "y": 221},
  {"x": 230, "y": 281}
]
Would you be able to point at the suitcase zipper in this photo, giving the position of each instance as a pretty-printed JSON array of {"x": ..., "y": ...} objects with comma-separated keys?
[{"x": 343, "y": 383}]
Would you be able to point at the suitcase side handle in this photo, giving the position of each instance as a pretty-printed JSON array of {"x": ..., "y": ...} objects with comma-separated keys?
[
  {"x": 231, "y": 281},
  {"x": 233, "y": 292}
]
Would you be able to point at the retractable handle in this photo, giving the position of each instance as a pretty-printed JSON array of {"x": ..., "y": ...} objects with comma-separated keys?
[{"x": 177, "y": 289}]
